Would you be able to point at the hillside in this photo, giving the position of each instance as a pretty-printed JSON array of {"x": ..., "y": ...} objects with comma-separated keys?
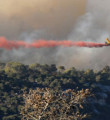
[{"x": 17, "y": 78}]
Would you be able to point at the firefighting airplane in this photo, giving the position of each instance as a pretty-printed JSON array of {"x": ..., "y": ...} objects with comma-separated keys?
[{"x": 108, "y": 42}]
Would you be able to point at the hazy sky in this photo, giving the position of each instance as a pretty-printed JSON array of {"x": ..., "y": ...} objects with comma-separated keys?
[
  {"x": 55, "y": 17},
  {"x": 86, "y": 20}
]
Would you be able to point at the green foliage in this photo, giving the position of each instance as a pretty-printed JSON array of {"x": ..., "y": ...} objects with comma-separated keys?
[
  {"x": 16, "y": 78},
  {"x": 15, "y": 69}
]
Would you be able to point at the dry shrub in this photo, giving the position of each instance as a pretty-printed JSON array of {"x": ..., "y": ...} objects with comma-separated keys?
[{"x": 46, "y": 104}]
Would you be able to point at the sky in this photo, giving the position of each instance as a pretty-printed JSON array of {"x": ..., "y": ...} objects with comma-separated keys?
[
  {"x": 55, "y": 17},
  {"x": 76, "y": 20}
]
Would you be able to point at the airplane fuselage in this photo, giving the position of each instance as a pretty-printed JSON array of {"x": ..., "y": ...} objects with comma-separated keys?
[{"x": 108, "y": 42}]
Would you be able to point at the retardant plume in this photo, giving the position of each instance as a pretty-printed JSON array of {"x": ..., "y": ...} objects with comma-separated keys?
[{"x": 44, "y": 43}]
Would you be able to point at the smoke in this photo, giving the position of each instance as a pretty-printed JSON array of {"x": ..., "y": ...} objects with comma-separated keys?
[
  {"x": 77, "y": 20},
  {"x": 37, "y": 19},
  {"x": 55, "y": 17},
  {"x": 92, "y": 26}
]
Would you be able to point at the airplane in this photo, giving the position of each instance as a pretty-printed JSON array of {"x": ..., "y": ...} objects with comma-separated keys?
[{"x": 108, "y": 42}]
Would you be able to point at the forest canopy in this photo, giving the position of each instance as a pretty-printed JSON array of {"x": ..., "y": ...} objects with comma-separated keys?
[{"x": 17, "y": 79}]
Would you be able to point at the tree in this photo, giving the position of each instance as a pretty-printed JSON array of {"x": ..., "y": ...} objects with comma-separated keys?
[
  {"x": 61, "y": 68},
  {"x": 46, "y": 104},
  {"x": 15, "y": 69}
]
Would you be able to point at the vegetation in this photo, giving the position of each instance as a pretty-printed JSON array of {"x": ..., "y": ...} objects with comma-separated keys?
[
  {"x": 45, "y": 104},
  {"x": 17, "y": 78}
]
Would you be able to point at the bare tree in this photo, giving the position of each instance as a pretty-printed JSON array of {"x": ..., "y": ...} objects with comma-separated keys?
[{"x": 46, "y": 104}]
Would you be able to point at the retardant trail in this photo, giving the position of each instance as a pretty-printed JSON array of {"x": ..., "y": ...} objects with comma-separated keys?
[{"x": 8, "y": 44}]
